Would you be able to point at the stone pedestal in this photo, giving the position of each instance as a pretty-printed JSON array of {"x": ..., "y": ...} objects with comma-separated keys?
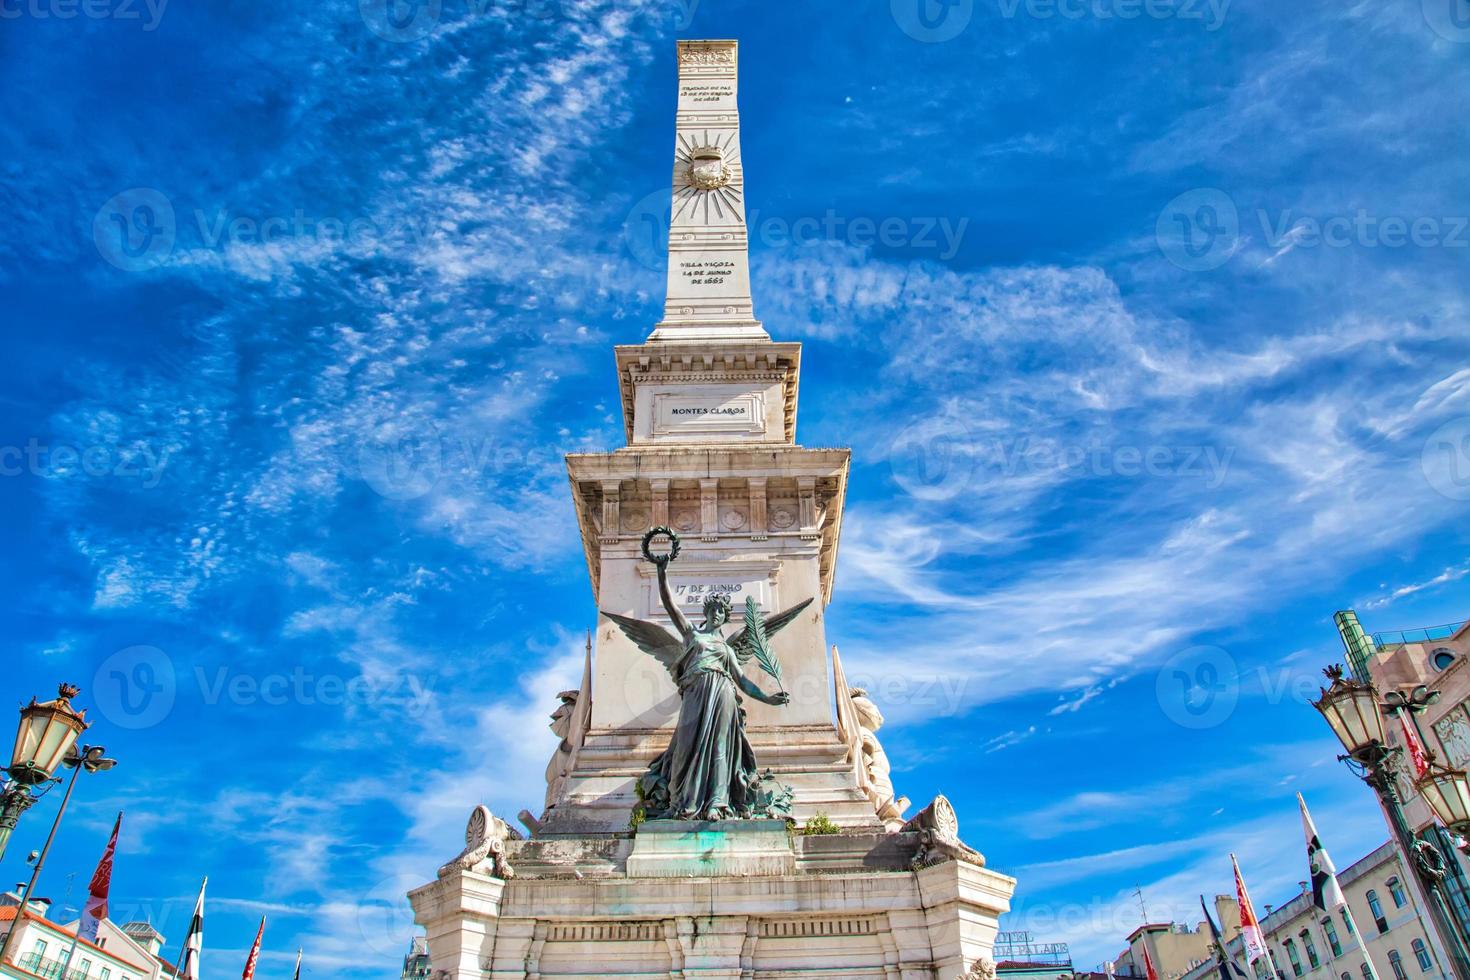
[
  {"x": 711, "y": 849},
  {"x": 872, "y": 906}
]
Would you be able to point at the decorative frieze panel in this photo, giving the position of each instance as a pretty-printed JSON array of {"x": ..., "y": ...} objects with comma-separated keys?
[
  {"x": 803, "y": 928},
  {"x": 602, "y": 932}
]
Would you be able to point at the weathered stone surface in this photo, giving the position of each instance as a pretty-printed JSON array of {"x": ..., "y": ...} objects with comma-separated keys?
[{"x": 711, "y": 849}]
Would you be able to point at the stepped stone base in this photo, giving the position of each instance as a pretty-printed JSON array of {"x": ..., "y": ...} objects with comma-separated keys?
[{"x": 853, "y": 905}]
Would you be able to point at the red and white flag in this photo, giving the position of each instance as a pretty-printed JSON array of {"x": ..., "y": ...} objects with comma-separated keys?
[
  {"x": 250, "y": 961},
  {"x": 1415, "y": 746},
  {"x": 96, "y": 908},
  {"x": 1148, "y": 962},
  {"x": 1250, "y": 926}
]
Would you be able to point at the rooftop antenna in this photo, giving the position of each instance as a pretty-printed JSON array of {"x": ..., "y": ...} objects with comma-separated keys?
[{"x": 1138, "y": 893}]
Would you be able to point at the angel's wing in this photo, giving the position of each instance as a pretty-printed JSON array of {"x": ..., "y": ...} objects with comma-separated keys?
[
  {"x": 741, "y": 641},
  {"x": 652, "y": 639}
]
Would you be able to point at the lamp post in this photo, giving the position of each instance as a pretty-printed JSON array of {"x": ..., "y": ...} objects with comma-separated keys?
[
  {"x": 48, "y": 731},
  {"x": 1352, "y": 709},
  {"x": 92, "y": 758}
]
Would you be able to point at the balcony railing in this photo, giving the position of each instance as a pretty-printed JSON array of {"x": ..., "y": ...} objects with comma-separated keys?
[
  {"x": 43, "y": 966},
  {"x": 1426, "y": 634}
]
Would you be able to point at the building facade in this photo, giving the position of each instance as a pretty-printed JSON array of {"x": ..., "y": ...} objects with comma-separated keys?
[
  {"x": 1175, "y": 948},
  {"x": 51, "y": 951},
  {"x": 1308, "y": 944},
  {"x": 1400, "y": 661},
  {"x": 1019, "y": 956}
]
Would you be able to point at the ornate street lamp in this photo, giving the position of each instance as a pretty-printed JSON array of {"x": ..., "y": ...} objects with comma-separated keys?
[
  {"x": 1354, "y": 713},
  {"x": 1448, "y": 793},
  {"x": 1351, "y": 710},
  {"x": 92, "y": 758},
  {"x": 48, "y": 731}
]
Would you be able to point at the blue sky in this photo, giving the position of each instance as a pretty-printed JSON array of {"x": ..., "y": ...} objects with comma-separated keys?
[{"x": 1160, "y": 360}]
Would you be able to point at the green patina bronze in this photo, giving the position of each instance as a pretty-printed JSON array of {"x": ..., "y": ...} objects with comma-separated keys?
[{"x": 709, "y": 771}]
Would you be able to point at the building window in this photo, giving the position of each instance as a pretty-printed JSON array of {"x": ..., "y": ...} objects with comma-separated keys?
[
  {"x": 1368, "y": 971},
  {"x": 1376, "y": 907},
  {"x": 1442, "y": 658},
  {"x": 84, "y": 967},
  {"x": 1311, "y": 949},
  {"x": 1422, "y": 955},
  {"x": 1396, "y": 891},
  {"x": 1296, "y": 960},
  {"x": 1330, "y": 931},
  {"x": 1347, "y": 976},
  {"x": 104, "y": 974},
  {"x": 1397, "y": 962}
]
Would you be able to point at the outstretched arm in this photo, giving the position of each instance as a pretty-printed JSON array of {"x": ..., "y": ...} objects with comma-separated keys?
[
  {"x": 748, "y": 686},
  {"x": 681, "y": 622}
]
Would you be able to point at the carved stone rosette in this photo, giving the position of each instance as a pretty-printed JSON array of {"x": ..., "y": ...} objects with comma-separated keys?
[
  {"x": 939, "y": 840},
  {"x": 982, "y": 969},
  {"x": 485, "y": 838}
]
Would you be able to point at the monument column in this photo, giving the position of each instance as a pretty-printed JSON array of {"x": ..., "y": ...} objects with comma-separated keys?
[{"x": 709, "y": 265}]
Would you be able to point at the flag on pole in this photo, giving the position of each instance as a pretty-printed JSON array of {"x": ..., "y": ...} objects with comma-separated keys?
[
  {"x": 96, "y": 908},
  {"x": 194, "y": 941},
  {"x": 1229, "y": 969},
  {"x": 1148, "y": 961},
  {"x": 254, "y": 956},
  {"x": 1415, "y": 746},
  {"x": 297, "y": 974},
  {"x": 1250, "y": 926},
  {"x": 1326, "y": 892}
]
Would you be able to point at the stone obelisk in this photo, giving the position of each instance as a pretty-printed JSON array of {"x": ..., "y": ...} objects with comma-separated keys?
[
  {"x": 709, "y": 410},
  {"x": 709, "y": 244}
]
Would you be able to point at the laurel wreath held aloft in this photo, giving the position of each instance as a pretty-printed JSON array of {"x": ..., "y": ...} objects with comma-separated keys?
[{"x": 667, "y": 532}]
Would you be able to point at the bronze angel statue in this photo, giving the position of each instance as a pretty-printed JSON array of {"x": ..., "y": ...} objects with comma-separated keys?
[{"x": 709, "y": 770}]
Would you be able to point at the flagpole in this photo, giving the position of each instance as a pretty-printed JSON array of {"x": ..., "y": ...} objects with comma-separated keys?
[{"x": 189, "y": 932}]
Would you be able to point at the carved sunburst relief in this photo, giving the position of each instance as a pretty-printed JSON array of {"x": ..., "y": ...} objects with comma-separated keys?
[{"x": 710, "y": 189}]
